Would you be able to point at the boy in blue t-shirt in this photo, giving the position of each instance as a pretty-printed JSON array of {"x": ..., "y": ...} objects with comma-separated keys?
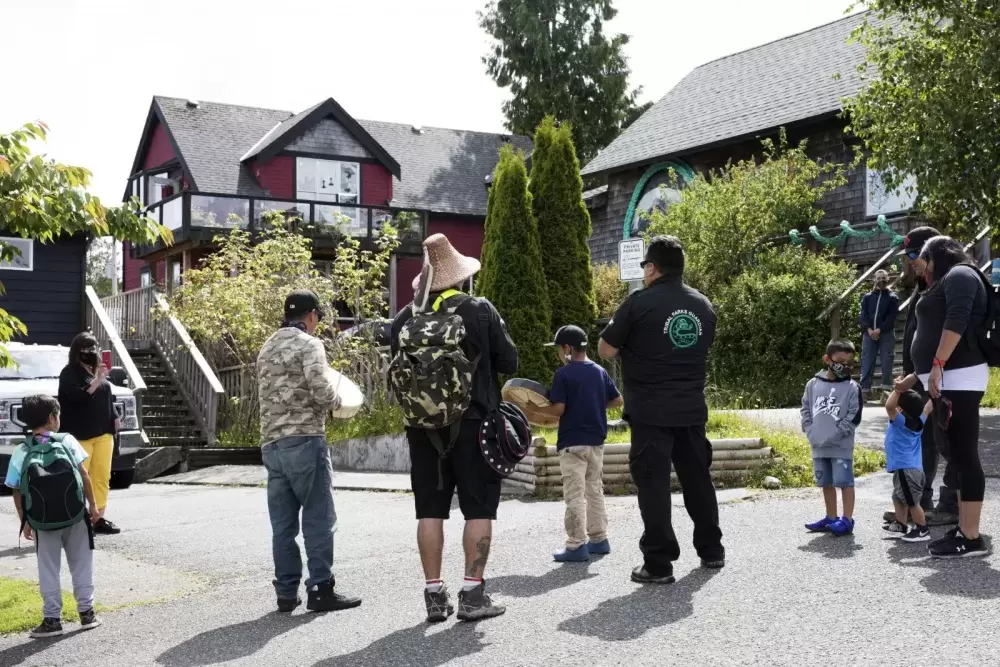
[
  {"x": 581, "y": 394},
  {"x": 903, "y": 457}
]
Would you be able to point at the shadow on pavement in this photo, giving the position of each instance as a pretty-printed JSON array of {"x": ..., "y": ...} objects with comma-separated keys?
[
  {"x": 971, "y": 578},
  {"x": 19, "y": 552},
  {"x": 15, "y": 655},
  {"x": 525, "y": 586},
  {"x": 831, "y": 546},
  {"x": 231, "y": 642},
  {"x": 629, "y": 617},
  {"x": 415, "y": 646}
]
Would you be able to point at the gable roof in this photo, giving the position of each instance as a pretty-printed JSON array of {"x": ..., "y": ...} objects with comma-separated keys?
[
  {"x": 439, "y": 170},
  {"x": 779, "y": 83}
]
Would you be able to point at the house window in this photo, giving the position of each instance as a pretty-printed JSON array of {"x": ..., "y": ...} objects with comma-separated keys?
[
  {"x": 159, "y": 187},
  {"x": 335, "y": 182},
  {"x": 175, "y": 272},
  {"x": 145, "y": 278},
  {"x": 25, "y": 261},
  {"x": 879, "y": 201}
]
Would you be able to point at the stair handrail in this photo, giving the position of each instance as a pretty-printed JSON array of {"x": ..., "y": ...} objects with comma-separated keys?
[
  {"x": 192, "y": 371},
  {"x": 968, "y": 246},
  {"x": 857, "y": 283},
  {"x": 106, "y": 333}
]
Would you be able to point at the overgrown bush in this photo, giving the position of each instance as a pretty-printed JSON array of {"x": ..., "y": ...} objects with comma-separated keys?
[{"x": 609, "y": 290}]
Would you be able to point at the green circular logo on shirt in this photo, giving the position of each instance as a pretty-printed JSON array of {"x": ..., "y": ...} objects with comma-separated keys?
[{"x": 684, "y": 329}]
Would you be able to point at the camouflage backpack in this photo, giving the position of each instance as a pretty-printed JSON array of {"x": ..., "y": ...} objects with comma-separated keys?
[{"x": 430, "y": 375}]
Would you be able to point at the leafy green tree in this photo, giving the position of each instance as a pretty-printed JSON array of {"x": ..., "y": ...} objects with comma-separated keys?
[
  {"x": 930, "y": 109},
  {"x": 563, "y": 225},
  {"x": 98, "y": 257},
  {"x": 42, "y": 199},
  {"x": 555, "y": 59},
  {"x": 512, "y": 276}
]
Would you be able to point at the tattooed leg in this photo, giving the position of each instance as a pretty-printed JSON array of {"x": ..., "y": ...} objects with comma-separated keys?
[{"x": 477, "y": 539}]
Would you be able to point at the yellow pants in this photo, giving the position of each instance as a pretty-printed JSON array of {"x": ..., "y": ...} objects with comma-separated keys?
[{"x": 98, "y": 464}]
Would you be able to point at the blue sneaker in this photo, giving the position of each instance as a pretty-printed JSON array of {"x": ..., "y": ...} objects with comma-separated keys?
[
  {"x": 600, "y": 548},
  {"x": 842, "y": 526},
  {"x": 821, "y": 526},
  {"x": 579, "y": 555}
]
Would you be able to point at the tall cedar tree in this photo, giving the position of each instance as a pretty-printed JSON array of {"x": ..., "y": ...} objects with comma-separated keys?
[
  {"x": 512, "y": 276},
  {"x": 563, "y": 225},
  {"x": 556, "y": 60}
]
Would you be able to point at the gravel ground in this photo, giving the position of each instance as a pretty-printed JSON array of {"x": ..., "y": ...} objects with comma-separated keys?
[{"x": 785, "y": 597}]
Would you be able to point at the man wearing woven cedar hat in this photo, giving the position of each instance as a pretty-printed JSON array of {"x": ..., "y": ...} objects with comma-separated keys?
[{"x": 449, "y": 349}]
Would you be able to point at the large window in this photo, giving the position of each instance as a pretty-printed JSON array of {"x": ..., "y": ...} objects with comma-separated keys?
[
  {"x": 23, "y": 262},
  {"x": 334, "y": 182},
  {"x": 882, "y": 201}
]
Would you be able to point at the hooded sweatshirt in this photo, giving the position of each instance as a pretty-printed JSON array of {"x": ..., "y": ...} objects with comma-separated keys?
[{"x": 831, "y": 411}]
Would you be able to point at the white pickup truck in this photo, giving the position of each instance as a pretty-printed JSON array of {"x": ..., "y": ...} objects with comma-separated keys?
[{"x": 37, "y": 372}]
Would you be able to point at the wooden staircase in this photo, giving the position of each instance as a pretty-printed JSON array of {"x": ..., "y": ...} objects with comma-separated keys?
[{"x": 166, "y": 416}]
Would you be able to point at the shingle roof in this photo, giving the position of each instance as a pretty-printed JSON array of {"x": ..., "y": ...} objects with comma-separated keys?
[
  {"x": 441, "y": 170},
  {"x": 785, "y": 81}
]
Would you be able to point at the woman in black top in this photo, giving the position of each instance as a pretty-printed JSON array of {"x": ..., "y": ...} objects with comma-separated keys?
[
  {"x": 949, "y": 361},
  {"x": 87, "y": 408}
]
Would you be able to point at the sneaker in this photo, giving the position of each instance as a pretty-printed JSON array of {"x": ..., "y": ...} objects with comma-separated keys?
[
  {"x": 948, "y": 536},
  {"x": 889, "y": 516},
  {"x": 713, "y": 563},
  {"x": 918, "y": 534},
  {"x": 896, "y": 530},
  {"x": 641, "y": 575},
  {"x": 439, "y": 606},
  {"x": 105, "y": 527},
  {"x": 322, "y": 597},
  {"x": 941, "y": 518},
  {"x": 49, "y": 627},
  {"x": 959, "y": 546},
  {"x": 475, "y": 605},
  {"x": 842, "y": 526},
  {"x": 579, "y": 555},
  {"x": 821, "y": 526},
  {"x": 89, "y": 620},
  {"x": 601, "y": 548},
  {"x": 286, "y": 605}
]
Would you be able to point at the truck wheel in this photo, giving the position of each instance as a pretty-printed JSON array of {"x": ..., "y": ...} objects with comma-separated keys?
[{"x": 122, "y": 479}]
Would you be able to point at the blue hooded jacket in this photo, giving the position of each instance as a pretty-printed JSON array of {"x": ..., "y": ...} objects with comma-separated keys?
[{"x": 879, "y": 309}]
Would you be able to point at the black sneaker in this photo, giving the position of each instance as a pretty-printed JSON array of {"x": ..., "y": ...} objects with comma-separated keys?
[
  {"x": 286, "y": 605},
  {"x": 322, "y": 597},
  {"x": 889, "y": 516},
  {"x": 641, "y": 575},
  {"x": 918, "y": 534},
  {"x": 475, "y": 605},
  {"x": 959, "y": 546},
  {"x": 89, "y": 620},
  {"x": 895, "y": 530},
  {"x": 948, "y": 536},
  {"x": 105, "y": 527},
  {"x": 49, "y": 627},
  {"x": 439, "y": 606}
]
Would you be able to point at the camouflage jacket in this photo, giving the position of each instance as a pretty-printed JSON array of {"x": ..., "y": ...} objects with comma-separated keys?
[{"x": 293, "y": 390}]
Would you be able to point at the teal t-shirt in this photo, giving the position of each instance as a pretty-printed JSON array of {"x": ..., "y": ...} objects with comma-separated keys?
[{"x": 13, "y": 479}]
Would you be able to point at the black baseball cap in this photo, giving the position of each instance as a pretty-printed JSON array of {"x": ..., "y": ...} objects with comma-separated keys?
[
  {"x": 570, "y": 335},
  {"x": 916, "y": 238},
  {"x": 301, "y": 302}
]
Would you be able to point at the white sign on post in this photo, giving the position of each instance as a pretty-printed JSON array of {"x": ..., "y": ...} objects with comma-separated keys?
[{"x": 630, "y": 256}]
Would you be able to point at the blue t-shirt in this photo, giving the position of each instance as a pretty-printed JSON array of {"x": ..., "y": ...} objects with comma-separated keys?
[
  {"x": 17, "y": 459},
  {"x": 586, "y": 389},
  {"x": 902, "y": 446}
]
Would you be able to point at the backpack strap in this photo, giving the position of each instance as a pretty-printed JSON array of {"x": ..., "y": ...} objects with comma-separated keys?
[{"x": 444, "y": 296}]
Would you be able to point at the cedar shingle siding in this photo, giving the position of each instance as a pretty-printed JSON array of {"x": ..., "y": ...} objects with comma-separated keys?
[{"x": 329, "y": 137}]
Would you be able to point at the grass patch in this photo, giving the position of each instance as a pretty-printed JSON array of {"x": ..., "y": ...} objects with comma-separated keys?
[
  {"x": 793, "y": 457},
  {"x": 992, "y": 397},
  {"x": 21, "y": 606}
]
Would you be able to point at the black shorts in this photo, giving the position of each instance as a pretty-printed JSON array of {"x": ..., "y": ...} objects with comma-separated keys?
[{"x": 463, "y": 468}]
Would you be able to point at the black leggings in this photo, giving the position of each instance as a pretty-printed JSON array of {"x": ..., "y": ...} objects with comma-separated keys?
[{"x": 962, "y": 448}]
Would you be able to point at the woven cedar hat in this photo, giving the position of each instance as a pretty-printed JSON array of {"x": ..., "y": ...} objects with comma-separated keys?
[{"x": 444, "y": 266}]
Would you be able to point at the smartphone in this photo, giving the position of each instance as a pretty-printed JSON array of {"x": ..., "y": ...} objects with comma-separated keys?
[{"x": 106, "y": 358}]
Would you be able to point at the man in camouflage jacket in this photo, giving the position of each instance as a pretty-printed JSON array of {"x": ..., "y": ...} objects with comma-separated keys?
[{"x": 295, "y": 395}]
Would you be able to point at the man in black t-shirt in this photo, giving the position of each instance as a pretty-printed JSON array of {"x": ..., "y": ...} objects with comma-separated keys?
[{"x": 662, "y": 334}]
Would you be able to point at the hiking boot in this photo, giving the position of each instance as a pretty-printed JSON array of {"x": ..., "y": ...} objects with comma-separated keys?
[
  {"x": 322, "y": 597},
  {"x": 579, "y": 555},
  {"x": 476, "y": 605},
  {"x": 713, "y": 563},
  {"x": 286, "y": 605},
  {"x": 918, "y": 534},
  {"x": 889, "y": 517},
  {"x": 842, "y": 526},
  {"x": 959, "y": 546},
  {"x": 89, "y": 620},
  {"x": 938, "y": 517},
  {"x": 601, "y": 548},
  {"x": 896, "y": 530},
  {"x": 105, "y": 527},
  {"x": 49, "y": 627},
  {"x": 439, "y": 606},
  {"x": 641, "y": 575},
  {"x": 821, "y": 526}
]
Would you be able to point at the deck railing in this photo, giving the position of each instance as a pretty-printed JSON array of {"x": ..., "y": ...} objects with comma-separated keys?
[{"x": 105, "y": 330}]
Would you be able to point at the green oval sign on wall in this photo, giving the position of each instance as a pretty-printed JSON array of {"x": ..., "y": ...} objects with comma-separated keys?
[{"x": 647, "y": 194}]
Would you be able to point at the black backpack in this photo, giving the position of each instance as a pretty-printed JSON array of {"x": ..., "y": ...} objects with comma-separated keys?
[{"x": 988, "y": 335}]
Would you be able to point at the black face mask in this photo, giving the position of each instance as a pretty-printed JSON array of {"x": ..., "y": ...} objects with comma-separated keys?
[
  {"x": 89, "y": 358},
  {"x": 840, "y": 371}
]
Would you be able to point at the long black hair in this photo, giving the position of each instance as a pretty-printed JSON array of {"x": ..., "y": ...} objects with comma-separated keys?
[
  {"x": 946, "y": 253},
  {"x": 83, "y": 341}
]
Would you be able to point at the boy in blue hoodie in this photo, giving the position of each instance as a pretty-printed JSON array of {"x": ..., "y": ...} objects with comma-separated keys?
[{"x": 831, "y": 411}]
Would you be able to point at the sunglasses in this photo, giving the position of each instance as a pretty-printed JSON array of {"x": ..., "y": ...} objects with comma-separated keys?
[{"x": 643, "y": 263}]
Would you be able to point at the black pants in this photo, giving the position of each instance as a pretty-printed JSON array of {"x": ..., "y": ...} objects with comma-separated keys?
[
  {"x": 653, "y": 450},
  {"x": 929, "y": 450},
  {"x": 959, "y": 443}
]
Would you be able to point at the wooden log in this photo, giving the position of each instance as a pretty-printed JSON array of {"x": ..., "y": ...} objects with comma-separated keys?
[
  {"x": 720, "y": 445},
  {"x": 617, "y": 481}
]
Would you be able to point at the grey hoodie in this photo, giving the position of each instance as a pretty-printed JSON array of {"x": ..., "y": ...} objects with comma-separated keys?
[{"x": 831, "y": 411}]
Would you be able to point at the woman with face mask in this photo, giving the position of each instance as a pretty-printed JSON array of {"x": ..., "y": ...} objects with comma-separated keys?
[{"x": 88, "y": 414}]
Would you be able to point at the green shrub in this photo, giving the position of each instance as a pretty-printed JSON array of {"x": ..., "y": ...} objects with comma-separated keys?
[
  {"x": 992, "y": 397},
  {"x": 609, "y": 291},
  {"x": 382, "y": 417}
]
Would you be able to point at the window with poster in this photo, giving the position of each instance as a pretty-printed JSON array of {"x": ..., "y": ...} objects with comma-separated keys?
[
  {"x": 658, "y": 188},
  {"x": 335, "y": 182}
]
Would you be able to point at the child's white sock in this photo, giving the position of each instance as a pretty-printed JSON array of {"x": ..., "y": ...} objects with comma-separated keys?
[
  {"x": 471, "y": 583},
  {"x": 434, "y": 585}
]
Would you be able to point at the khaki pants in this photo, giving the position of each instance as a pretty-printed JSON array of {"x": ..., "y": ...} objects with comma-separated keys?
[{"x": 583, "y": 492}]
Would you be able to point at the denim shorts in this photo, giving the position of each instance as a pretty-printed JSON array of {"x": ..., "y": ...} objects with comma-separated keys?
[{"x": 834, "y": 472}]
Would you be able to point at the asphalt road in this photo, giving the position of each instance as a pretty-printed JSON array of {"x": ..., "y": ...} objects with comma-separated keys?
[{"x": 785, "y": 598}]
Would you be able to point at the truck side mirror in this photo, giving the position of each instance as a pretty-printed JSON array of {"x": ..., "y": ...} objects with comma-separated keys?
[{"x": 118, "y": 376}]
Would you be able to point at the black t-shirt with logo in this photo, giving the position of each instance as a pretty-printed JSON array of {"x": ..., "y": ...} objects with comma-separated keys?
[{"x": 663, "y": 334}]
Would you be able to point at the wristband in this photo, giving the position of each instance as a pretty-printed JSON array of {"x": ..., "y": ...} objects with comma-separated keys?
[{"x": 938, "y": 362}]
